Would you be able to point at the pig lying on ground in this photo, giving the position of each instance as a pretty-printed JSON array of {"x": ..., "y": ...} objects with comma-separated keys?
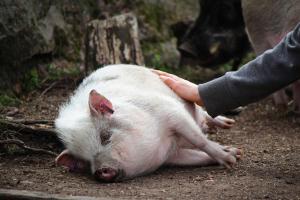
[{"x": 123, "y": 122}]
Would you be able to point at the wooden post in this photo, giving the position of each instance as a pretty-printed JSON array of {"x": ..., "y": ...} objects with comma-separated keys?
[{"x": 112, "y": 41}]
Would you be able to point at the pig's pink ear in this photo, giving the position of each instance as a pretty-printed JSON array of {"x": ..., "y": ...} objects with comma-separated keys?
[
  {"x": 73, "y": 164},
  {"x": 99, "y": 104}
]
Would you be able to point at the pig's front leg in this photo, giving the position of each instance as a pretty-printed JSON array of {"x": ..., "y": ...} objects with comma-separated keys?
[
  {"x": 183, "y": 124},
  {"x": 209, "y": 124}
]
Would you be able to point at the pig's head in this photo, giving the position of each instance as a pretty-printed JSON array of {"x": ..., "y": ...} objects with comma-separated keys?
[{"x": 101, "y": 139}]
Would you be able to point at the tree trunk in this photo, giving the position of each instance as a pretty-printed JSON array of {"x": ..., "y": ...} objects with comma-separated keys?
[{"x": 112, "y": 41}]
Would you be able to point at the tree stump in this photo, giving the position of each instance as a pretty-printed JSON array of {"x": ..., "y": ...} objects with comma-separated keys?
[{"x": 112, "y": 41}]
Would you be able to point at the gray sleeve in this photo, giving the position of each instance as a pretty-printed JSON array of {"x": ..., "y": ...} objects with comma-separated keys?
[{"x": 269, "y": 72}]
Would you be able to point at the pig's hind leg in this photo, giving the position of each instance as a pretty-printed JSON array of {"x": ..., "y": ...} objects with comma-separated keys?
[
  {"x": 190, "y": 157},
  {"x": 181, "y": 122},
  {"x": 193, "y": 157}
]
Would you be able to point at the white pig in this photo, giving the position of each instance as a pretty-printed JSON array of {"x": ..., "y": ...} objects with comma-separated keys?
[{"x": 123, "y": 122}]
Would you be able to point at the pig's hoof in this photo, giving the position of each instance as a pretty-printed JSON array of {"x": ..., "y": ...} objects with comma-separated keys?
[
  {"x": 237, "y": 153},
  {"x": 234, "y": 154},
  {"x": 229, "y": 161},
  {"x": 223, "y": 122}
]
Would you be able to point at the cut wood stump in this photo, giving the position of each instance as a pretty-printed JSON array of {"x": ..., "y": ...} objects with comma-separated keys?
[{"x": 112, "y": 41}]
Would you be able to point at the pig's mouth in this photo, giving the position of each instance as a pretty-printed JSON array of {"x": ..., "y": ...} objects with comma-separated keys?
[{"x": 109, "y": 174}]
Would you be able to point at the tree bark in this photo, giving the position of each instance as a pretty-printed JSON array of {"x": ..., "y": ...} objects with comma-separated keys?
[{"x": 112, "y": 41}]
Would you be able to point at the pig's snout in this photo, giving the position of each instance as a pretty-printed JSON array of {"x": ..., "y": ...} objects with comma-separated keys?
[{"x": 106, "y": 174}]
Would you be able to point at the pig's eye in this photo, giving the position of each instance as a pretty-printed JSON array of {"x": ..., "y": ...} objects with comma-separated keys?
[{"x": 104, "y": 138}]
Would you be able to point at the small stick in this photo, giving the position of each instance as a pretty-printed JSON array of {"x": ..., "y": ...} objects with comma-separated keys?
[
  {"x": 25, "y": 194},
  {"x": 19, "y": 127},
  {"x": 24, "y": 146},
  {"x": 32, "y": 121},
  {"x": 48, "y": 88}
]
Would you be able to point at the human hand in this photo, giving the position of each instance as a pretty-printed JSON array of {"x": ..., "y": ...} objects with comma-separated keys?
[{"x": 183, "y": 88}]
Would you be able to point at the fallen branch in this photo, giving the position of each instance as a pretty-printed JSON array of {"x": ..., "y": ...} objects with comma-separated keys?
[
  {"x": 48, "y": 88},
  {"x": 24, "y": 146},
  {"x": 25, "y": 194},
  {"x": 32, "y": 121},
  {"x": 20, "y": 127},
  {"x": 15, "y": 132}
]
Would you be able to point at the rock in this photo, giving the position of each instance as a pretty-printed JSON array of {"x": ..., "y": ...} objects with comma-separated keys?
[{"x": 33, "y": 29}]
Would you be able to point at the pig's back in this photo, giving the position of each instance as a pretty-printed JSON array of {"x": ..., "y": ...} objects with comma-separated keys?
[
  {"x": 119, "y": 83},
  {"x": 120, "y": 80}
]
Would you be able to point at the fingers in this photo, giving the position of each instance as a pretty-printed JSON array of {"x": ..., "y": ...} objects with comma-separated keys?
[
  {"x": 158, "y": 72},
  {"x": 183, "y": 88},
  {"x": 161, "y": 73},
  {"x": 170, "y": 82}
]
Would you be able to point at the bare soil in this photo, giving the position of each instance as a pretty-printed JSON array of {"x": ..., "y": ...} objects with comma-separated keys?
[{"x": 269, "y": 169}]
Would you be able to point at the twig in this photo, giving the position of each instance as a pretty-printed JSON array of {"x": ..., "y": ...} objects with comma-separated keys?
[
  {"x": 25, "y": 128},
  {"x": 26, "y": 195},
  {"x": 24, "y": 146},
  {"x": 32, "y": 121},
  {"x": 48, "y": 88}
]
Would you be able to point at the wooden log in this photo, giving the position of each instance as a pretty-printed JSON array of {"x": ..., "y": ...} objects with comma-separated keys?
[
  {"x": 33, "y": 195},
  {"x": 112, "y": 41}
]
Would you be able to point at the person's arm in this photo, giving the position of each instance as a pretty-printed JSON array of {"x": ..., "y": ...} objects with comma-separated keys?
[
  {"x": 269, "y": 72},
  {"x": 264, "y": 75}
]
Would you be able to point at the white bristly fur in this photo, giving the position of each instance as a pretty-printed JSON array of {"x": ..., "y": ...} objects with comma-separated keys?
[{"x": 142, "y": 126}]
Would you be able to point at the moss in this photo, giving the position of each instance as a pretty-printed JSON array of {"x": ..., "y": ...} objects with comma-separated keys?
[
  {"x": 249, "y": 56},
  {"x": 155, "y": 17},
  {"x": 152, "y": 55},
  {"x": 154, "y": 14},
  {"x": 91, "y": 7},
  {"x": 7, "y": 99},
  {"x": 229, "y": 65},
  {"x": 55, "y": 73},
  {"x": 31, "y": 80},
  {"x": 11, "y": 149},
  {"x": 14, "y": 149},
  {"x": 34, "y": 78}
]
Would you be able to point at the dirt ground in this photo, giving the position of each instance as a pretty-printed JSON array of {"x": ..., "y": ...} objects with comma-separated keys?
[{"x": 269, "y": 169}]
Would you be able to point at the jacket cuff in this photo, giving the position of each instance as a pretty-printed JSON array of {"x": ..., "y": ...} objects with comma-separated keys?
[{"x": 216, "y": 96}]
